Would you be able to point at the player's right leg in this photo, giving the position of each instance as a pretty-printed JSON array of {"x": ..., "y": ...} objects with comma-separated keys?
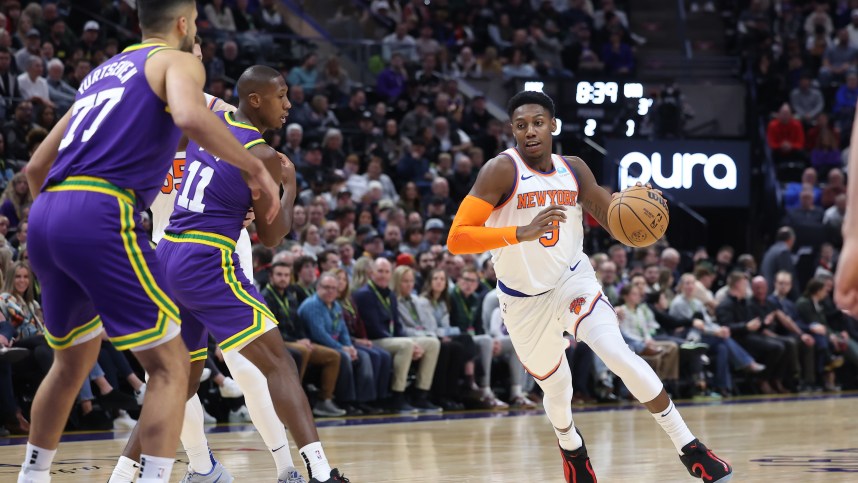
[
  {"x": 539, "y": 343},
  {"x": 51, "y": 407},
  {"x": 266, "y": 353},
  {"x": 261, "y": 408}
]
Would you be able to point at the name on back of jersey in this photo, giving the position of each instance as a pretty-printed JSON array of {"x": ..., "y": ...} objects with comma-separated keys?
[{"x": 534, "y": 199}]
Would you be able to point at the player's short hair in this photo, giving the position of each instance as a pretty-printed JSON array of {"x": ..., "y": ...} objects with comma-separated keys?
[
  {"x": 254, "y": 78},
  {"x": 156, "y": 15},
  {"x": 530, "y": 97}
]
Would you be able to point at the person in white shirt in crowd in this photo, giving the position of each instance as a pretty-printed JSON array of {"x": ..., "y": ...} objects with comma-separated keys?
[{"x": 33, "y": 86}]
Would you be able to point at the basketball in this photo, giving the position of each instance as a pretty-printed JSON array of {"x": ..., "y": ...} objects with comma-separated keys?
[{"x": 638, "y": 217}]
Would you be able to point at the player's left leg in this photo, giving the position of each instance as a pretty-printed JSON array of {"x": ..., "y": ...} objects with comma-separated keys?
[
  {"x": 261, "y": 408},
  {"x": 266, "y": 353},
  {"x": 538, "y": 341},
  {"x": 598, "y": 328}
]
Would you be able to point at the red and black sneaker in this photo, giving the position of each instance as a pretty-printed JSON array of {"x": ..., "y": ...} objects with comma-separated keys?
[
  {"x": 576, "y": 464},
  {"x": 702, "y": 463}
]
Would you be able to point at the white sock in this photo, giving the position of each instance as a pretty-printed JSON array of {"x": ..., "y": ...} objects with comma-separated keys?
[
  {"x": 34, "y": 476},
  {"x": 125, "y": 471},
  {"x": 37, "y": 459},
  {"x": 515, "y": 391},
  {"x": 672, "y": 424},
  {"x": 194, "y": 437},
  {"x": 570, "y": 441},
  {"x": 154, "y": 469},
  {"x": 316, "y": 461},
  {"x": 258, "y": 401}
]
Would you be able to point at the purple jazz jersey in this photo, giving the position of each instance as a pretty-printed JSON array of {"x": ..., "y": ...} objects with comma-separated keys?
[
  {"x": 201, "y": 273},
  {"x": 120, "y": 131},
  {"x": 214, "y": 196},
  {"x": 198, "y": 251},
  {"x": 85, "y": 242}
]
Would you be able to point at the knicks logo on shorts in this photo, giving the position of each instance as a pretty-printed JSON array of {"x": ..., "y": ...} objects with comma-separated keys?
[{"x": 576, "y": 305}]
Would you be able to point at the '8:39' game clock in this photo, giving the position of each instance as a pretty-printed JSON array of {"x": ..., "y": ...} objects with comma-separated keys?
[
  {"x": 593, "y": 108},
  {"x": 610, "y": 107}
]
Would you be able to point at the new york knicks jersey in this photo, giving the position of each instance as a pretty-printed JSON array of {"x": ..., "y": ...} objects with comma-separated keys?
[
  {"x": 214, "y": 196},
  {"x": 120, "y": 130},
  {"x": 164, "y": 201},
  {"x": 533, "y": 267}
]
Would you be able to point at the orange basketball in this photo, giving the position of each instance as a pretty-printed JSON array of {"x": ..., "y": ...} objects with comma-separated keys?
[{"x": 638, "y": 217}]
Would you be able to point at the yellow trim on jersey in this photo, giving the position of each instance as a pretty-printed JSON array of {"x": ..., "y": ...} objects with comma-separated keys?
[
  {"x": 138, "y": 264},
  {"x": 59, "y": 343},
  {"x": 230, "y": 119},
  {"x": 143, "y": 337},
  {"x": 260, "y": 311},
  {"x": 94, "y": 184},
  {"x": 155, "y": 51},
  {"x": 202, "y": 237},
  {"x": 247, "y": 334},
  {"x": 199, "y": 355},
  {"x": 231, "y": 279},
  {"x": 132, "y": 48},
  {"x": 226, "y": 246},
  {"x": 256, "y": 142}
]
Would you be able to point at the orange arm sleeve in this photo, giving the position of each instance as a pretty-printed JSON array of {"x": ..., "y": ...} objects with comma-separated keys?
[{"x": 469, "y": 233}]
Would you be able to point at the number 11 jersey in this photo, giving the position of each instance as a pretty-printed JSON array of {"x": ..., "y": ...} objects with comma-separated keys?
[
  {"x": 214, "y": 197},
  {"x": 120, "y": 130}
]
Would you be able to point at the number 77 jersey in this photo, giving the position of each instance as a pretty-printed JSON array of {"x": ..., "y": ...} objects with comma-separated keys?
[
  {"x": 214, "y": 197},
  {"x": 120, "y": 130}
]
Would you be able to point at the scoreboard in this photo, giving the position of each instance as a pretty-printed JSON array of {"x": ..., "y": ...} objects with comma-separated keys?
[{"x": 596, "y": 108}]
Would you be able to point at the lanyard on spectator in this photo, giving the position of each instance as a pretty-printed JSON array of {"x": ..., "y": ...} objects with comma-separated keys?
[
  {"x": 280, "y": 302},
  {"x": 461, "y": 297},
  {"x": 347, "y": 306},
  {"x": 467, "y": 309},
  {"x": 307, "y": 291},
  {"x": 336, "y": 320},
  {"x": 385, "y": 301},
  {"x": 409, "y": 304}
]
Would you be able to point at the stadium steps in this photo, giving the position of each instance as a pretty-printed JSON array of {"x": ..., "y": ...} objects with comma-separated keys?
[{"x": 679, "y": 44}]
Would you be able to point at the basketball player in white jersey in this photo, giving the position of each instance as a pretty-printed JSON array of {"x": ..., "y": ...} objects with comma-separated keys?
[
  {"x": 203, "y": 467},
  {"x": 526, "y": 206}
]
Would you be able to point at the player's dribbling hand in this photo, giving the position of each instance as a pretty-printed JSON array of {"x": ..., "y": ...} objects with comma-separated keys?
[
  {"x": 260, "y": 182},
  {"x": 846, "y": 278},
  {"x": 543, "y": 222},
  {"x": 649, "y": 187}
]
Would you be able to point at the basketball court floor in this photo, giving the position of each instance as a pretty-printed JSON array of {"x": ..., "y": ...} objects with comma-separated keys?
[{"x": 790, "y": 439}]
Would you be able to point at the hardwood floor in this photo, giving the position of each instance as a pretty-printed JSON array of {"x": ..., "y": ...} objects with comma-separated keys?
[{"x": 792, "y": 440}]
